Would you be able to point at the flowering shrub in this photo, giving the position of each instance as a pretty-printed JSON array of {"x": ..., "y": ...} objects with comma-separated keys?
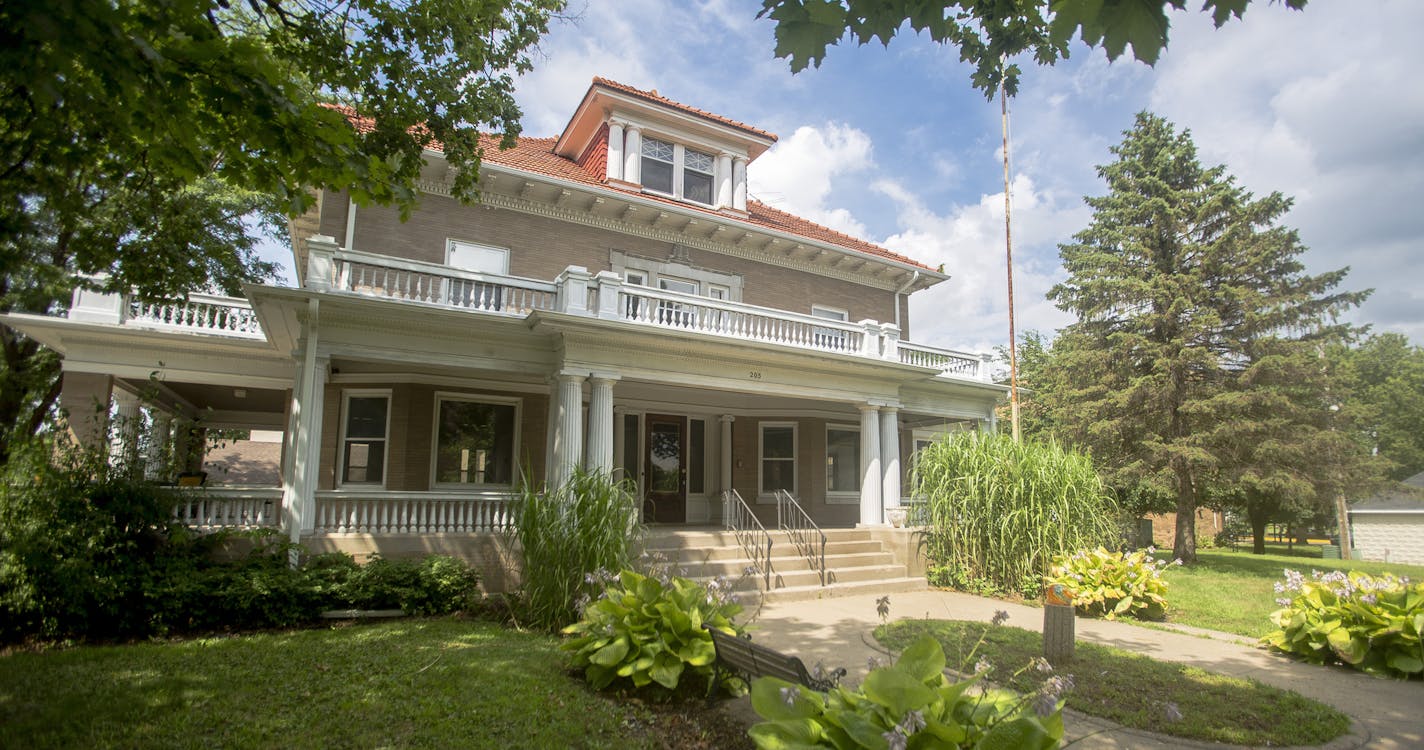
[
  {"x": 643, "y": 630},
  {"x": 910, "y": 703},
  {"x": 1371, "y": 623},
  {"x": 1108, "y": 584}
]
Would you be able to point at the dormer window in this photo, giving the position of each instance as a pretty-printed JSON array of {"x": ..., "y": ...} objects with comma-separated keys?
[{"x": 678, "y": 171}]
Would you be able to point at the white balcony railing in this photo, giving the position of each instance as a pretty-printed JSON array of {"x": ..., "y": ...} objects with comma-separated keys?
[
  {"x": 213, "y": 508},
  {"x": 686, "y": 312},
  {"x": 384, "y": 512},
  {"x": 205, "y": 313},
  {"x": 392, "y": 278},
  {"x": 950, "y": 363}
]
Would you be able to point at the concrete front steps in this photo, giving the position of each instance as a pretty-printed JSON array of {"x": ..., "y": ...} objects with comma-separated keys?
[{"x": 856, "y": 563}]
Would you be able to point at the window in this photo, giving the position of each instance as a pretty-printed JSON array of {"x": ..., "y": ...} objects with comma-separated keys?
[
  {"x": 697, "y": 176},
  {"x": 673, "y": 313},
  {"x": 777, "y": 447},
  {"x": 363, "y": 438},
  {"x": 678, "y": 171},
  {"x": 657, "y": 165},
  {"x": 842, "y": 461},
  {"x": 830, "y": 338},
  {"x": 474, "y": 441}
]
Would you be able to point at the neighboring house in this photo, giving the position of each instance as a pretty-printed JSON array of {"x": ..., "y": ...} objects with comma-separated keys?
[
  {"x": 1389, "y": 527},
  {"x": 615, "y": 300}
]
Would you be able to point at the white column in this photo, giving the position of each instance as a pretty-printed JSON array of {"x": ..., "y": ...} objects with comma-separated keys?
[
  {"x": 619, "y": 438},
  {"x": 299, "y": 492},
  {"x": 551, "y": 432},
  {"x": 573, "y": 290},
  {"x": 890, "y": 456},
  {"x": 615, "y": 150},
  {"x": 724, "y": 180},
  {"x": 600, "y": 423},
  {"x": 161, "y": 425},
  {"x": 870, "y": 476},
  {"x": 739, "y": 183},
  {"x": 725, "y": 421},
  {"x": 128, "y": 420},
  {"x": 633, "y": 154},
  {"x": 568, "y": 439}
]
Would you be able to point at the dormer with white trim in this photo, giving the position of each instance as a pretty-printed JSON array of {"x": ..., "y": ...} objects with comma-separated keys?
[{"x": 663, "y": 148}]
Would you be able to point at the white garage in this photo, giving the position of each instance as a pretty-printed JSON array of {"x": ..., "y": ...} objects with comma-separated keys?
[{"x": 1389, "y": 527}]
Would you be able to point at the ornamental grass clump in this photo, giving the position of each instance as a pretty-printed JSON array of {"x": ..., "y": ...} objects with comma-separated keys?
[
  {"x": 1372, "y": 623},
  {"x": 565, "y": 535},
  {"x": 1000, "y": 511},
  {"x": 1111, "y": 584},
  {"x": 643, "y": 631},
  {"x": 910, "y": 704}
]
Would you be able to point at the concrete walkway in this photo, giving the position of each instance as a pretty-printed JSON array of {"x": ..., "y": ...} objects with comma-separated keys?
[{"x": 837, "y": 632}]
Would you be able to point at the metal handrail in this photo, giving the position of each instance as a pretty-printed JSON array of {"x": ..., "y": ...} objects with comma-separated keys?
[
  {"x": 797, "y": 523},
  {"x": 754, "y": 539}
]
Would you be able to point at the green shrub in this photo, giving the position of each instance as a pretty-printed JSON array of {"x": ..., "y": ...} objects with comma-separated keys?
[
  {"x": 908, "y": 704},
  {"x": 642, "y": 631},
  {"x": 1111, "y": 584},
  {"x": 1372, "y": 623},
  {"x": 431, "y": 586},
  {"x": 565, "y": 535},
  {"x": 999, "y": 511}
]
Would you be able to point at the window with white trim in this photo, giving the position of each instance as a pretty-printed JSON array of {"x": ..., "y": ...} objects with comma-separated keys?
[
  {"x": 658, "y": 165},
  {"x": 365, "y": 417},
  {"x": 697, "y": 170},
  {"x": 830, "y": 338},
  {"x": 475, "y": 440},
  {"x": 842, "y": 463},
  {"x": 776, "y": 448},
  {"x": 675, "y": 170}
]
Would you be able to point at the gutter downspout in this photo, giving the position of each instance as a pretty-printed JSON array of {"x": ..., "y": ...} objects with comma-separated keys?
[{"x": 913, "y": 278}]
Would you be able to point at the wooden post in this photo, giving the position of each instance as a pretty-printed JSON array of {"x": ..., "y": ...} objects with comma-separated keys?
[{"x": 1058, "y": 635}]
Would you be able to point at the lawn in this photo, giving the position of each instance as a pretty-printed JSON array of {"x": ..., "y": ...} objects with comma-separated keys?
[
  {"x": 1232, "y": 591},
  {"x": 411, "y": 683},
  {"x": 1136, "y": 691}
]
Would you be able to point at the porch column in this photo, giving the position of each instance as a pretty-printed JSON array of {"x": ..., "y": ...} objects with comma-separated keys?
[
  {"x": 568, "y": 437},
  {"x": 128, "y": 420},
  {"x": 890, "y": 455},
  {"x": 600, "y": 423},
  {"x": 85, "y": 398},
  {"x": 725, "y": 425},
  {"x": 870, "y": 476},
  {"x": 619, "y": 438},
  {"x": 299, "y": 492},
  {"x": 551, "y": 429},
  {"x": 162, "y": 424}
]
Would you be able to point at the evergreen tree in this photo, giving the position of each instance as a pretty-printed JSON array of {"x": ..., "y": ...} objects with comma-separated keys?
[{"x": 1187, "y": 294}]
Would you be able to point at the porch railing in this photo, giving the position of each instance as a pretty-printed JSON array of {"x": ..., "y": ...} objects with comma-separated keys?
[
  {"x": 213, "y": 508},
  {"x": 412, "y": 513},
  {"x": 749, "y": 532},
  {"x": 394, "y": 278},
  {"x": 212, "y": 314},
  {"x": 688, "y": 312},
  {"x": 804, "y": 533},
  {"x": 952, "y": 363}
]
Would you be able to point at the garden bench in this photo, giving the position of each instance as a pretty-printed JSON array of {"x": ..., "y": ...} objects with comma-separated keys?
[{"x": 740, "y": 657}]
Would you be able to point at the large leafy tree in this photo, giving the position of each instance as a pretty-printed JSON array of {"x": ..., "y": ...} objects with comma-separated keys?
[
  {"x": 1389, "y": 375},
  {"x": 1186, "y": 290},
  {"x": 136, "y": 135},
  {"x": 987, "y": 31}
]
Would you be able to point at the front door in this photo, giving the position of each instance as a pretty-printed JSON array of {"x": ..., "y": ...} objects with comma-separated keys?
[{"x": 666, "y": 500}]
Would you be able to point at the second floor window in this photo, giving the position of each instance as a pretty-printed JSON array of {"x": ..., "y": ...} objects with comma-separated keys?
[
  {"x": 697, "y": 177},
  {"x": 657, "y": 165}
]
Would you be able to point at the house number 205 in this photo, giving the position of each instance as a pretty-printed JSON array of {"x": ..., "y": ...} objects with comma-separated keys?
[{"x": 754, "y": 375}]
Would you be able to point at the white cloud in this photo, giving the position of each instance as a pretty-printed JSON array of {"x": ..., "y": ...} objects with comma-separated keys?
[{"x": 798, "y": 173}]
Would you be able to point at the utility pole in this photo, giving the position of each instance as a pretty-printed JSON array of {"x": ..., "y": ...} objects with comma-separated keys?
[{"x": 1009, "y": 254}]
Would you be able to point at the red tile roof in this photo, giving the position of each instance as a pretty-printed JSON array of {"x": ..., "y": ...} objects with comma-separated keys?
[
  {"x": 537, "y": 155},
  {"x": 655, "y": 97}
]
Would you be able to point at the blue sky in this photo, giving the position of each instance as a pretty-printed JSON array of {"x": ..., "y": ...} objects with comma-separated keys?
[{"x": 893, "y": 145}]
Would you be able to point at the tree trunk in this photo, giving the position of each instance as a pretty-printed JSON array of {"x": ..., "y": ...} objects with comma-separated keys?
[
  {"x": 1259, "y": 517},
  {"x": 1184, "y": 548}
]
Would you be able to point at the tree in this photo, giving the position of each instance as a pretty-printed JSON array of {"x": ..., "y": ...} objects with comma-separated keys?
[
  {"x": 987, "y": 32},
  {"x": 135, "y": 135},
  {"x": 1390, "y": 380},
  {"x": 1182, "y": 284},
  {"x": 1035, "y": 361}
]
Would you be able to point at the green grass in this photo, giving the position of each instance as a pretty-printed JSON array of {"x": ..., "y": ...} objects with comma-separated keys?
[
  {"x": 429, "y": 683},
  {"x": 1232, "y": 591},
  {"x": 1134, "y": 690}
]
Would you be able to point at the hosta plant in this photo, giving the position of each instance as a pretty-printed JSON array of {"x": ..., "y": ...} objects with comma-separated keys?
[
  {"x": 1372, "y": 623},
  {"x": 643, "y": 631},
  {"x": 910, "y": 704},
  {"x": 1111, "y": 584}
]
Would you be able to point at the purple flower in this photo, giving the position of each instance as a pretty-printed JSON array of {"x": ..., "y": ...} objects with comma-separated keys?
[
  {"x": 982, "y": 666},
  {"x": 788, "y": 696},
  {"x": 1000, "y": 616},
  {"x": 913, "y": 722},
  {"x": 1041, "y": 664},
  {"x": 895, "y": 740},
  {"x": 1044, "y": 704}
]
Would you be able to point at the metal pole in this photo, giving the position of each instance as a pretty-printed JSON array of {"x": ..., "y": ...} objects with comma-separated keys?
[{"x": 1009, "y": 255}]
